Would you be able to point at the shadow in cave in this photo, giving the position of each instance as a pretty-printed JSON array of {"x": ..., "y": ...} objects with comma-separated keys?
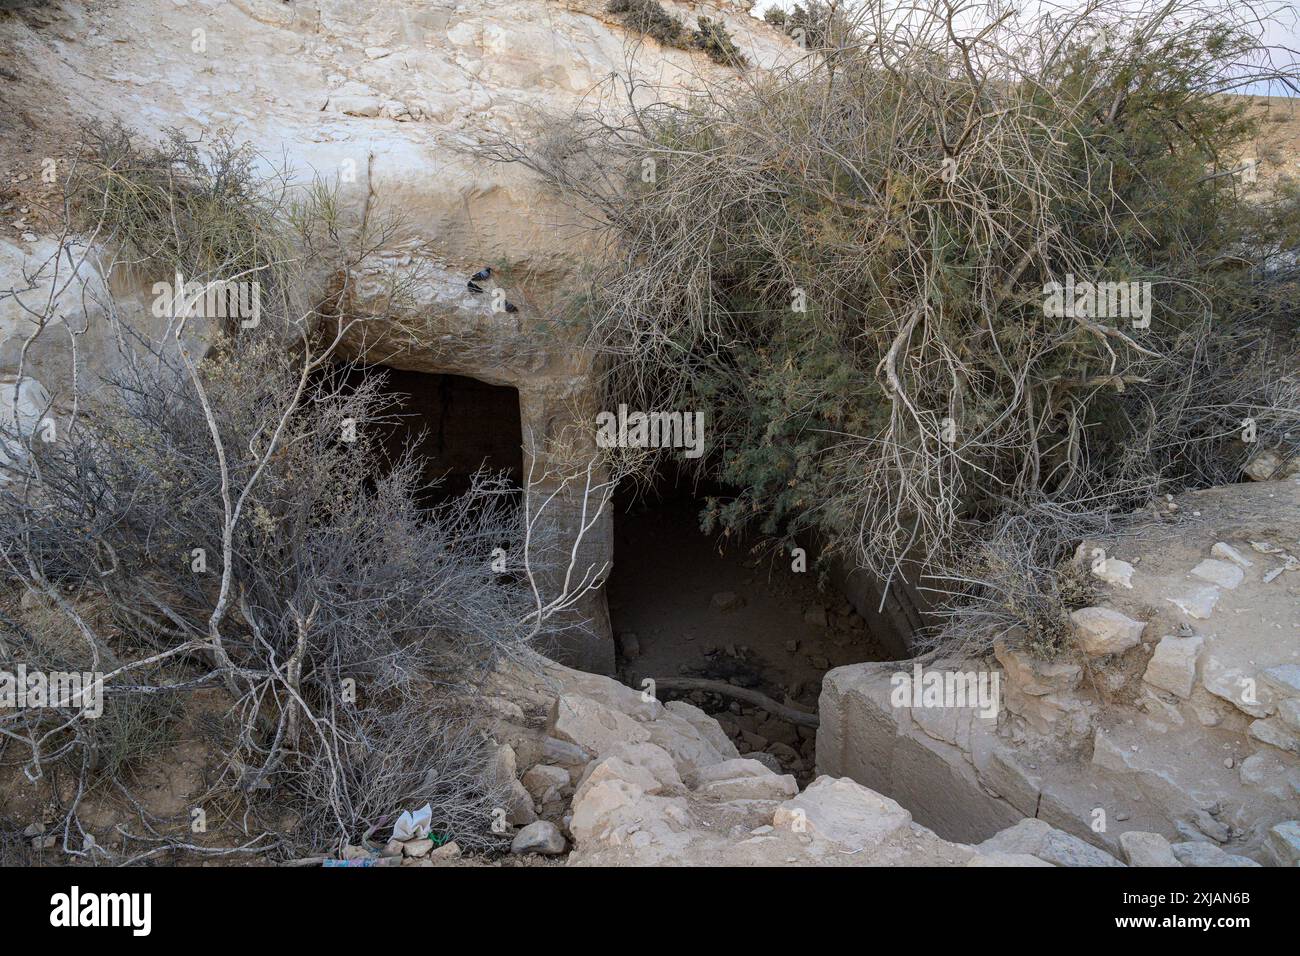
[
  {"x": 456, "y": 424},
  {"x": 688, "y": 604}
]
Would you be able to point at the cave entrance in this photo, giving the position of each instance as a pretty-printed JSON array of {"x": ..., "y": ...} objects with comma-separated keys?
[
  {"x": 685, "y": 604},
  {"x": 457, "y": 424}
]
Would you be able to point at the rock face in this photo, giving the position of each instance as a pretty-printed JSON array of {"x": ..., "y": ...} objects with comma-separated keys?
[
  {"x": 1194, "y": 741},
  {"x": 381, "y": 100},
  {"x": 661, "y": 785}
]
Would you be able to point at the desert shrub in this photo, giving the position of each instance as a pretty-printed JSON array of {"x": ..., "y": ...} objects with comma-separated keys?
[
  {"x": 846, "y": 264},
  {"x": 357, "y": 620},
  {"x": 650, "y": 18},
  {"x": 15, "y": 849},
  {"x": 178, "y": 205},
  {"x": 1015, "y": 578},
  {"x": 234, "y": 514},
  {"x": 816, "y": 26},
  {"x": 713, "y": 38}
]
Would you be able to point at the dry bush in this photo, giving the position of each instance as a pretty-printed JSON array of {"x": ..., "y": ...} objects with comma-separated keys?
[
  {"x": 233, "y": 513},
  {"x": 844, "y": 262},
  {"x": 1017, "y": 579}
]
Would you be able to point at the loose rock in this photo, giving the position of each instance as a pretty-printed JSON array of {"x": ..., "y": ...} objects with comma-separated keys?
[{"x": 542, "y": 837}]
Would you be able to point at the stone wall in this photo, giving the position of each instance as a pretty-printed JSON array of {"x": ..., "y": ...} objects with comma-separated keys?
[{"x": 1173, "y": 712}]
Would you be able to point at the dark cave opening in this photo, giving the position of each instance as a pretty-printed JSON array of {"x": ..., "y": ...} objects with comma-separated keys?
[
  {"x": 686, "y": 604},
  {"x": 458, "y": 425}
]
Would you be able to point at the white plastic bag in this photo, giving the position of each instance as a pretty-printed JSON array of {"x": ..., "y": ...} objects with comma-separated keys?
[{"x": 413, "y": 826}]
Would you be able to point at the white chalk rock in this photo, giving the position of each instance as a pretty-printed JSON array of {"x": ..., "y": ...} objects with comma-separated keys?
[
  {"x": 1173, "y": 666},
  {"x": 1114, "y": 571},
  {"x": 1221, "y": 573},
  {"x": 1199, "y": 603},
  {"x": 1102, "y": 630}
]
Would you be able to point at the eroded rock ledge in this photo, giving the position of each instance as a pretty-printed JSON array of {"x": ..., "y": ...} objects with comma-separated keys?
[
  {"x": 616, "y": 778},
  {"x": 1176, "y": 715}
]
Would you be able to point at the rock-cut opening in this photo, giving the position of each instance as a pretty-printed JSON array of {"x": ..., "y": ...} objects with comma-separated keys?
[
  {"x": 456, "y": 424},
  {"x": 700, "y": 612}
]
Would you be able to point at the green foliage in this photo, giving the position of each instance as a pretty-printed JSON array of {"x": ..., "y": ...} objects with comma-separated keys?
[
  {"x": 180, "y": 207},
  {"x": 801, "y": 396},
  {"x": 650, "y": 18},
  {"x": 712, "y": 37},
  {"x": 919, "y": 202},
  {"x": 816, "y": 26}
]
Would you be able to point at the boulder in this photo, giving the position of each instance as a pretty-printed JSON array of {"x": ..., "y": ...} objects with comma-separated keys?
[
  {"x": 1206, "y": 854},
  {"x": 1146, "y": 849},
  {"x": 616, "y": 813},
  {"x": 652, "y": 759},
  {"x": 518, "y": 802},
  {"x": 1227, "y": 552},
  {"x": 1288, "y": 711},
  {"x": 768, "y": 760},
  {"x": 1269, "y": 464},
  {"x": 1283, "y": 843},
  {"x": 727, "y": 770},
  {"x": 1173, "y": 665},
  {"x": 1114, "y": 572},
  {"x": 769, "y": 786},
  {"x": 1245, "y": 689},
  {"x": 591, "y": 725},
  {"x": 1103, "y": 631},
  {"x": 1220, "y": 573},
  {"x": 519, "y": 806},
  {"x": 1274, "y": 732},
  {"x": 564, "y": 752},
  {"x": 1283, "y": 680},
  {"x": 612, "y": 768},
  {"x": 542, "y": 837},
  {"x": 544, "y": 782},
  {"x": 1198, "y": 603},
  {"x": 1034, "y": 676},
  {"x": 704, "y": 725},
  {"x": 1269, "y": 772},
  {"x": 415, "y": 849},
  {"x": 685, "y": 744},
  {"x": 448, "y": 851},
  {"x": 1040, "y": 839},
  {"x": 841, "y": 811}
]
